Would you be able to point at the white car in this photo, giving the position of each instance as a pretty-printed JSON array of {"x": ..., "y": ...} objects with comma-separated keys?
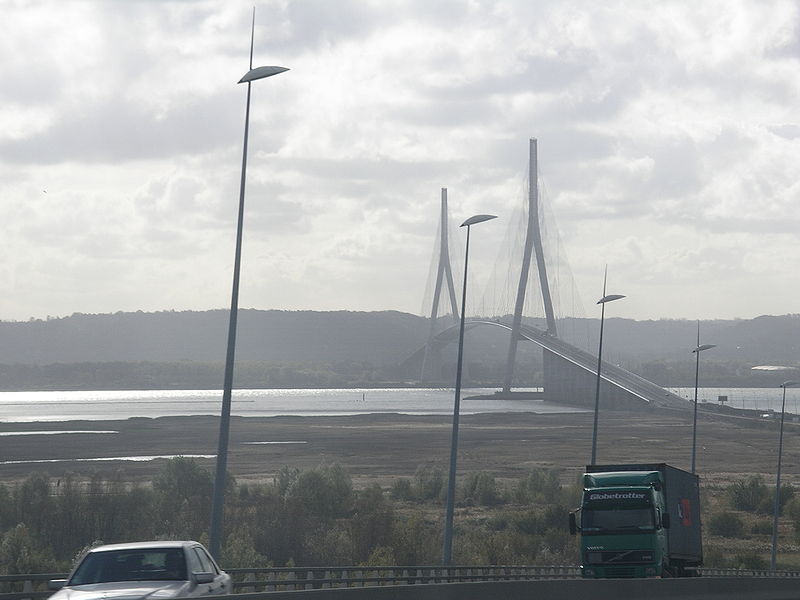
[{"x": 152, "y": 570}]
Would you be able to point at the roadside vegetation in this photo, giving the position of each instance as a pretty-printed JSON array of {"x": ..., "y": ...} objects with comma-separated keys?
[
  {"x": 738, "y": 525},
  {"x": 316, "y": 517}
]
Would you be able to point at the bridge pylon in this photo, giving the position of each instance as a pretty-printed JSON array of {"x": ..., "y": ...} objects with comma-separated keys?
[
  {"x": 444, "y": 276},
  {"x": 533, "y": 245}
]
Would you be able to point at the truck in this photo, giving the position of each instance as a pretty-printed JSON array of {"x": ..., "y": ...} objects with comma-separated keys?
[{"x": 638, "y": 520}]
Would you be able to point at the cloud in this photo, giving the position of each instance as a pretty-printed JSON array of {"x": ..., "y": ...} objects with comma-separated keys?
[{"x": 667, "y": 143}]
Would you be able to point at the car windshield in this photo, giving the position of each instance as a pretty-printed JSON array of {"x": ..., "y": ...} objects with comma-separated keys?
[
  {"x": 131, "y": 565},
  {"x": 618, "y": 519}
]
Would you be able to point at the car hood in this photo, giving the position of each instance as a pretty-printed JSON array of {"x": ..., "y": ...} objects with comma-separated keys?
[{"x": 123, "y": 590}]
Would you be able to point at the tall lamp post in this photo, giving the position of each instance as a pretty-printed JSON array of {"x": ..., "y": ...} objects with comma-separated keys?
[
  {"x": 698, "y": 349},
  {"x": 603, "y": 301},
  {"x": 447, "y": 548},
  {"x": 220, "y": 476},
  {"x": 784, "y": 385}
]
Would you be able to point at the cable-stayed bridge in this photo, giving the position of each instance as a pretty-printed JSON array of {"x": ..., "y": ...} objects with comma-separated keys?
[{"x": 570, "y": 372}]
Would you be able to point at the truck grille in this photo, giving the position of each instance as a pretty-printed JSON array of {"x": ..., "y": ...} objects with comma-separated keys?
[
  {"x": 621, "y": 557},
  {"x": 621, "y": 572}
]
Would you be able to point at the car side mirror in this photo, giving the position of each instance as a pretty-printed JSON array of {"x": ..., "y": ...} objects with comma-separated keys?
[
  {"x": 56, "y": 584},
  {"x": 204, "y": 577},
  {"x": 573, "y": 524},
  {"x": 665, "y": 520}
]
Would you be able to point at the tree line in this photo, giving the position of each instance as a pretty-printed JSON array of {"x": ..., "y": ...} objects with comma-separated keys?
[
  {"x": 302, "y": 517},
  {"x": 316, "y": 517}
]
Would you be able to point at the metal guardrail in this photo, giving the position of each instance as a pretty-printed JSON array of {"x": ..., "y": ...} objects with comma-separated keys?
[
  {"x": 710, "y": 572},
  {"x": 271, "y": 579},
  {"x": 294, "y": 578}
]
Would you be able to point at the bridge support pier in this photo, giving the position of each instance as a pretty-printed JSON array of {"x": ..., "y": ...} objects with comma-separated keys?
[{"x": 566, "y": 384}]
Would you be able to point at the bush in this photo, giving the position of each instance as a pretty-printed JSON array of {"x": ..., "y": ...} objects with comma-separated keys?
[
  {"x": 429, "y": 482},
  {"x": 371, "y": 522},
  {"x": 749, "y": 560},
  {"x": 324, "y": 493},
  {"x": 726, "y": 524},
  {"x": 749, "y": 495},
  {"x": 528, "y": 523},
  {"x": 714, "y": 557},
  {"x": 541, "y": 486},
  {"x": 767, "y": 504},
  {"x": 555, "y": 517},
  {"x": 481, "y": 488},
  {"x": 19, "y": 553},
  {"x": 762, "y": 527},
  {"x": 401, "y": 489},
  {"x": 183, "y": 491},
  {"x": 497, "y": 522}
]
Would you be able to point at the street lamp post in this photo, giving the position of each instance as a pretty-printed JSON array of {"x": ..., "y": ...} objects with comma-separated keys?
[
  {"x": 447, "y": 548},
  {"x": 220, "y": 476},
  {"x": 605, "y": 299},
  {"x": 784, "y": 385},
  {"x": 698, "y": 349}
]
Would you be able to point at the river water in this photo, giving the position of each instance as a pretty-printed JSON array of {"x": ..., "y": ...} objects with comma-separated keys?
[
  {"x": 112, "y": 405},
  {"x": 761, "y": 399},
  {"x": 104, "y": 405}
]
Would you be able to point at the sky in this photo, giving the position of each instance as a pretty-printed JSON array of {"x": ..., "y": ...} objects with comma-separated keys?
[{"x": 668, "y": 135}]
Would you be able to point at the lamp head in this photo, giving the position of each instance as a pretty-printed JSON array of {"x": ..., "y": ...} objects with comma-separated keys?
[
  {"x": 786, "y": 384},
  {"x": 477, "y": 219},
  {"x": 610, "y": 298},
  {"x": 704, "y": 347},
  {"x": 261, "y": 73}
]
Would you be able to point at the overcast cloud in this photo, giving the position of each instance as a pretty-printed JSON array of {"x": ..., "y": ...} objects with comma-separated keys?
[{"x": 669, "y": 148}]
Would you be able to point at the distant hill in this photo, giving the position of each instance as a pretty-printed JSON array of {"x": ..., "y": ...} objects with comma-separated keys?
[
  {"x": 262, "y": 335},
  {"x": 763, "y": 340},
  {"x": 298, "y": 348}
]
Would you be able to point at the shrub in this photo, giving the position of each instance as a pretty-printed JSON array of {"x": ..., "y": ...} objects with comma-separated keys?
[
  {"x": 401, "y": 489},
  {"x": 324, "y": 493},
  {"x": 19, "y": 553},
  {"x": 749, "y": 560},
  {"x": 726, "y": 524},
  {"x": 240, "y": 551},
  {"x": 497, "y": 521},
  {"x": 767, "y": 504},
  {"x": 714, "y": 557},
  {"x": 371, "y": 522},
  {"x": 481, "y": 488},
  {"x": 540, "y": 486},
  {"x": 762, "y": 527},
  {"x": 183, "y": 491},
  {"x": 555, "y": 517},
  {"x": 749, "y": 494},
  {"x": 429, "y": 482},
  {"x": 528, "y": 523}
]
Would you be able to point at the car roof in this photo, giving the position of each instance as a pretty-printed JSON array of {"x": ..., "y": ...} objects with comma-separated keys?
[{"x": 146, "y": 545}]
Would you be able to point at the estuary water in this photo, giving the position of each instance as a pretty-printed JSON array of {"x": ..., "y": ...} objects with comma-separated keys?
[
  {"x": 760, "y": 399},
  {"x": 105, "y": 405},
  {"x": 113, "y": 405}
]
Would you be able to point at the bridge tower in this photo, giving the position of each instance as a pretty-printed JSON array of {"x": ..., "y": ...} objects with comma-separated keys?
[
  {"x": 533, "y": 244},
  {"x": 443, "y": 274}
]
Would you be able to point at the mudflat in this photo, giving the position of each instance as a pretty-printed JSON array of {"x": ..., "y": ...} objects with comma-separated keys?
[{"x": 381, "y": 447}]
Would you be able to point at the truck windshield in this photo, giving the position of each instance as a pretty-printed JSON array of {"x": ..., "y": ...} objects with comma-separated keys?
[{"x": 628, "y": 519}]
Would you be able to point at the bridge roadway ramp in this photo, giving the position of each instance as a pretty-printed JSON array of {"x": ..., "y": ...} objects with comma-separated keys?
[
  {"x": 570, "y": 376},
  {"x": 696, "y": 588}
]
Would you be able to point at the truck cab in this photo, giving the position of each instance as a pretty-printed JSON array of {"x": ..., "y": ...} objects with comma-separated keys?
[
  {"x": 624, "y": 521},
  {"x": 622, "y": 525}
]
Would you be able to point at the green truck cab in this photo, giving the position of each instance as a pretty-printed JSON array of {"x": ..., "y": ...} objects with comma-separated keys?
[{"x": 638, "y": 520}]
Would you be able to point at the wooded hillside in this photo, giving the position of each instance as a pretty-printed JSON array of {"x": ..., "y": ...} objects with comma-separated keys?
[{"x": 339, "y": 349}]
